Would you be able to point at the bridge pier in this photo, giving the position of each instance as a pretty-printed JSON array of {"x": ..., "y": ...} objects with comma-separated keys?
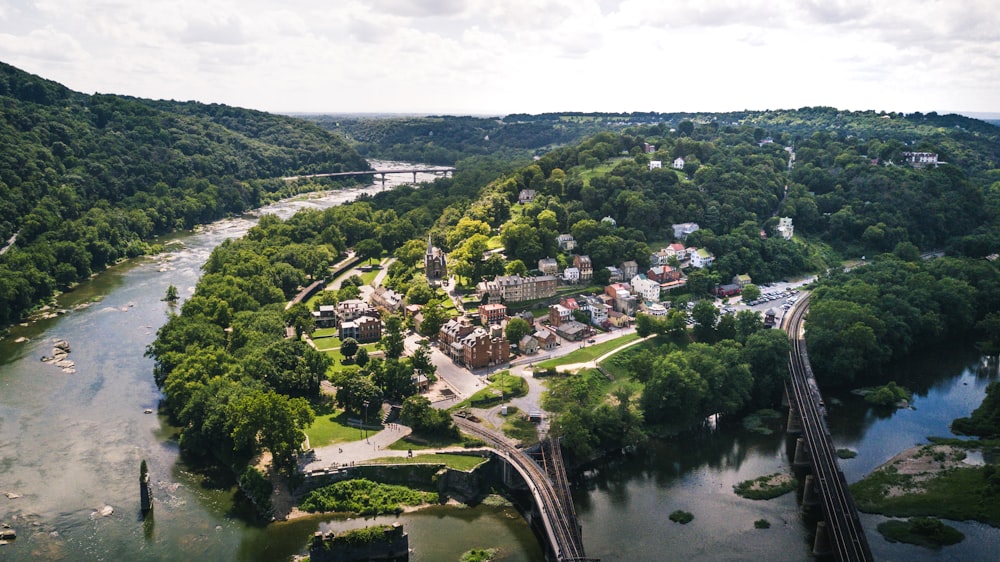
[
  {"x": 821, "y": 544},
  {"x": 414, "y": 177},
  {"x": 794, "y": 425},
  {"x": 802, "y": 456},
  {"x": 810, "y": 499}
]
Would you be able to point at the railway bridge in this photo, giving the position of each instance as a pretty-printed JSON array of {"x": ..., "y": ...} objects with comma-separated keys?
[
  {"x": 549, "y": 487},
  {"x": 436, "y": 170},
  {"x": 839, "y": 532}
]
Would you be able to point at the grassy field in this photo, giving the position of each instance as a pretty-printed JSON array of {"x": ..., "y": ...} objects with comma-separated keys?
[
  {"x": 338, "y": 357},
  {"x": 588, "y": 353},
  {"x": 603, "y": 169},
  {"x": 512, "y": 386},
  {"x": 420, "y": 443},
  {"x": 331, "y": 428}
]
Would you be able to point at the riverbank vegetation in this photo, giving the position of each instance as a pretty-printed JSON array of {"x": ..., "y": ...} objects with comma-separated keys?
[
  {"x": 861, "y": 319},
  {"x": 766, "y": 487},
  {"x": 921, "y": 531},
  {"x": 932, "y": 480},
  {"x": 364, "y": 497}
]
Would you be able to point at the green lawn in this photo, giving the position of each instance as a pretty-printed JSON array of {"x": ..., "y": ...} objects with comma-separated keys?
[
  {"x": 587, "y": 353},
  {"x": 457, "y": 462},
  {"x": 494, "y": 243},
  {"x": 512, "y": 386},
  {"x": 338, "y": 357},
  {"x": 420, "y": 443},
  {"x": 331, "y": 428},
  {"x": 327, "y": 343}
]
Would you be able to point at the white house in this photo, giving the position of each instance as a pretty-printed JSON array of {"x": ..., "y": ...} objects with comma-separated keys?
[
  {"x": 571, "y": 275},
  {"x": 702, "y": 258},
  {"x": 785, "y": 228},
  {"x": 566, "y": 242},
  {"x": 646, "y": 288},
  {"x": 654, "y": 164},
  {"x": 682, "y": 230},
  {"x": 678, "y": 163}
]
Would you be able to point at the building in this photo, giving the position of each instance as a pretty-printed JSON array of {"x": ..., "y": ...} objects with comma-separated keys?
[
  {"x": 566, "y": 242},
  {"x": 435, "y": 263},
  {"x": 573, "y": 330},
  {"x": 615, "y": 275},
  {"x": 742, "y": 280},
  {"x": 364, "y": 329},
  {"x": 648, "y": 148},
  {"x": 678, "y": 163},
  {"x": 586, "y": 268},
  {"x": 655, "y": 164},
  {"x": 515, "y": 288},
  {"x": 492, "y": 313},
  {"x": 646, "y": 288},
  {"x": 682, "y": 230},
  {"x": 571, "y": 275},
  {"x": 664, "y": 274},
  {"x": 528, "y": 345},
  {"x": 728, "y": 290},
  {"x": 479, "y": 349},
  {"x": 352, "y": 309},
  {"x": 610, "y": 221},
  {"x": 559, "y": 314},
  {"x": 526, "y": 196},
  {"x": 454, "y": 330},
  {"x": 618, "y": 319},
  {"x": 387, "y": 299},
  {"x": 326, "y": 316},
  {"x": 785, "y": 228},
  {"x": 629, "y": 269},
  {"x": 921, "y": 159},
  {"x": 548, "y": 266},
  {"x": 546, "y": 339},
  {"x": 702, "y": 258},
  {"x": 622, "y": 297},
  {"x": 657, "y": 310}
]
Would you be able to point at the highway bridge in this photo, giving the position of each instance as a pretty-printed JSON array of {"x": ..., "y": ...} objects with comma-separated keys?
[
  {"x": 841, "y": 529},
  {"x": 551, "y": 494},
  {"x": 436, "y": 170}
]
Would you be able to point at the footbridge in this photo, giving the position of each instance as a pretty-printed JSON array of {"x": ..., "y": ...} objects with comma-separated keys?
[
  {"x": 436, "y": 170},
  {"x": 549, "y": 487},
  {"x": 839, "y": 532}
]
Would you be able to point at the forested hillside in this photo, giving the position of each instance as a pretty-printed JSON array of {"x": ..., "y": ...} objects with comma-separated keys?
[{"x": 86, "y": 179}]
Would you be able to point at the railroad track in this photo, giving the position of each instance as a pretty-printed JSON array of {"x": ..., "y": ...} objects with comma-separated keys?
[
  {"x": 558, "y": 520},
  {"x": 847, "y": 537}
]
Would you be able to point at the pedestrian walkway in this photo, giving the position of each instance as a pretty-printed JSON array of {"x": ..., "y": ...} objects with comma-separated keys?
[{"x": 374, "y": 445}]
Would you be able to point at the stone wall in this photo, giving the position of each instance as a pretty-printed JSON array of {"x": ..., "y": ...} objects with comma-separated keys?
[{"x": 393, "y": 545}]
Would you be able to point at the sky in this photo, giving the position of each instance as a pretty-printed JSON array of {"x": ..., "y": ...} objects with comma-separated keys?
[{"x": 495, "y": 57}]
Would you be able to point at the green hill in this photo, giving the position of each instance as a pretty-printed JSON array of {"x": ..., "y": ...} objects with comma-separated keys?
[{"x": 85, "y": 179}]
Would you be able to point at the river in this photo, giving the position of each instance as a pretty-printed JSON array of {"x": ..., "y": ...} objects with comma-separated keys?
[{"x": 71, "y": 444}]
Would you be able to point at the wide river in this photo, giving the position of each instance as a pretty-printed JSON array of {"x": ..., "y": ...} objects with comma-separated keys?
[{"x": 71, "y": 444}]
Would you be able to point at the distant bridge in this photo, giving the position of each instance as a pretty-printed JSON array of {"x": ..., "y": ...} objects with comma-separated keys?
[
  {"x": 840, "y": 531},
  {"x": 436, "y": 170},
  {"x": 548, "y": 486}
]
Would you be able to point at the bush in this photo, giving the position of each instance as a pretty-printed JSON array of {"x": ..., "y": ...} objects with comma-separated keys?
[
  {"x": 766, "y": 487},
  {"x": 364, "y": 497},
  {"x": 922, "y": 531},
  {"x": 682, "y": 517},
  {"x": 258, "y": 489},
  {"x": 762, "y": 524}
]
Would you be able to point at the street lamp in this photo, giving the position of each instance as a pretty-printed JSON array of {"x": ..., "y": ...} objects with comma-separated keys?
[{"x": 364, "y": 421}]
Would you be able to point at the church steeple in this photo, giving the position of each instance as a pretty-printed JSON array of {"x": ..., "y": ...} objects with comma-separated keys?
[{"x": 430, "y": 246}]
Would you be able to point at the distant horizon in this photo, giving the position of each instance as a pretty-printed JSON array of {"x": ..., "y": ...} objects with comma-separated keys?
[
  {"x": 459, "y": 57},
  {"x": 980, "y": 115}
]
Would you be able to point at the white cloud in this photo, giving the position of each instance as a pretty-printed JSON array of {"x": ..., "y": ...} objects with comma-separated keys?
[{"x": 517, "y": 55}]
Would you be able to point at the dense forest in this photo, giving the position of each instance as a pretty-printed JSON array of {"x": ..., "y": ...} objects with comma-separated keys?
[{"x": 86, "y": 180}]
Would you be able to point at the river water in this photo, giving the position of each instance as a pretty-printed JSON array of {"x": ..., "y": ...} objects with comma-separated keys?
[{"x": 71, "y": 444}]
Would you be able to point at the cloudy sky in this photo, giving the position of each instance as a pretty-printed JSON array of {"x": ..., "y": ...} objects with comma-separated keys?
[{"x": 505, "y": 56}]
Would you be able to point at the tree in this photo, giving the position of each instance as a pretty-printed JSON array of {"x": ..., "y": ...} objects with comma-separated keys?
[
  {"x": 705, "y": 317},
  {"x": 434, "y": 316},
  {"x": 516, "y": 329},
  {"x": 361, "y": 360},
  {"x": 421, "y": 360},
  {"x": 516, "y": 267},
  {"x": 368, "y": 249},
  {"x": 349, "y": 348},
  {"x": 751, "y": 293},
  {"x": 171, "y": 295},
  {"x": 418, "y": 413},
  {"x": 392, "y": 339},
  {"x": 419, "y": 293},
  {"x": 300, "y": 317}
]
